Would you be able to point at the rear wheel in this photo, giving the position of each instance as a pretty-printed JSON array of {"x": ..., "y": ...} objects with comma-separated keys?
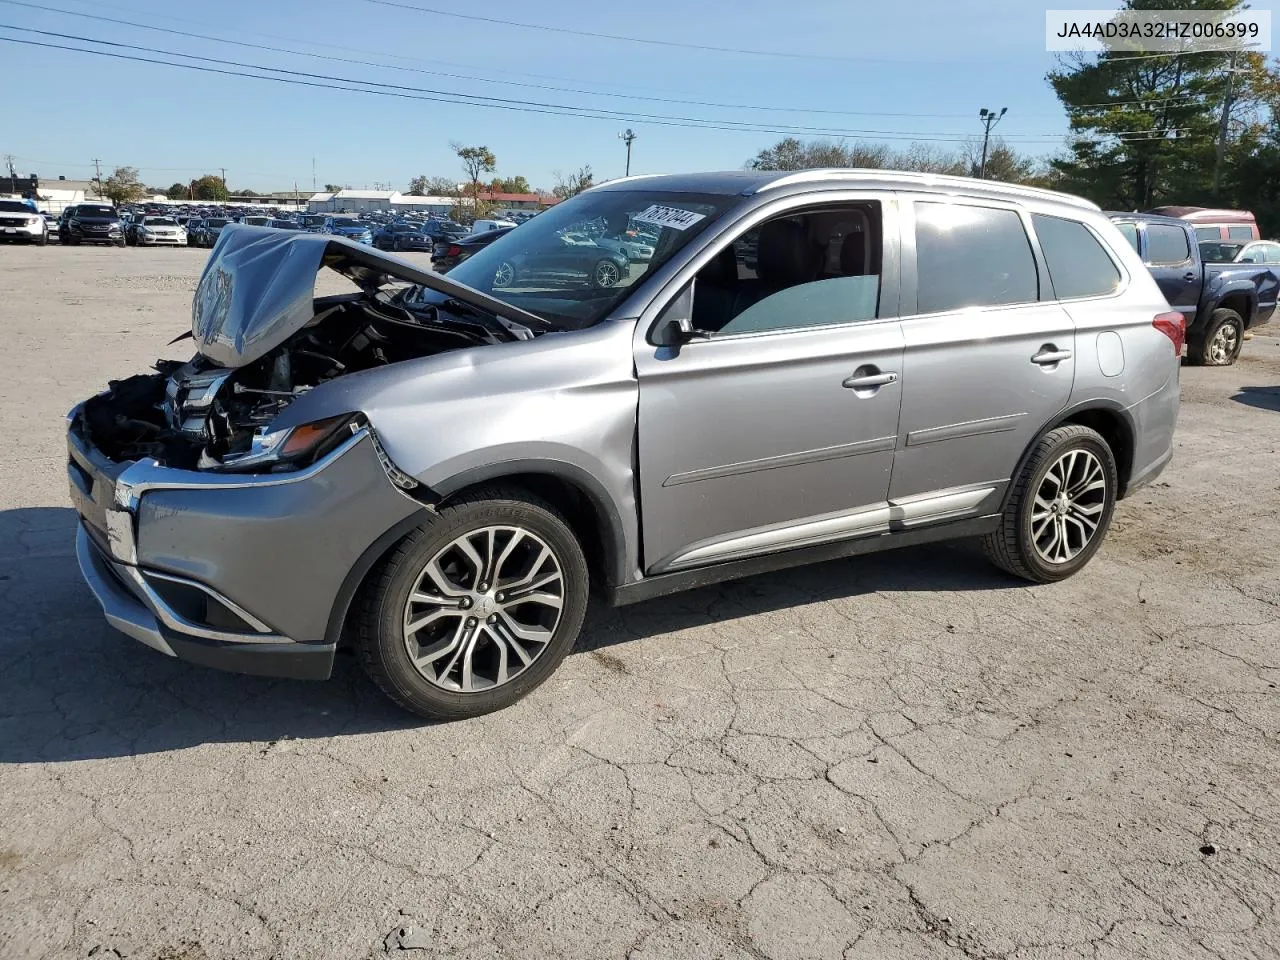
[
  {"x": 1220, "y": 344},
  {"x": 605, "y": 274},
  {"x": 476, "y": 607},
  {"x": 1060, "y": 508}
]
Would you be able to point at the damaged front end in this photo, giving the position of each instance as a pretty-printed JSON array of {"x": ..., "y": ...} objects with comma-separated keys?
[
  {"x": 207, "y": 530},
  {"x": 264, "y": 340}
]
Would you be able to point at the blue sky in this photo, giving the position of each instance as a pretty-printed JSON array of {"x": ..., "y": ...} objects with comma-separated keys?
[{"x": 930, "y": 63}]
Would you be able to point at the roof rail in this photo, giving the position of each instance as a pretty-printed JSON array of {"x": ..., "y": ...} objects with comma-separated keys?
[
  {"x": 924, "y": 179},
  {"x": 634, "y": 176}
]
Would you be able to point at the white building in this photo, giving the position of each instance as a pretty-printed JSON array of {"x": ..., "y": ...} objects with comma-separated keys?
[
  {"x": 53, "y": 196},
  {"x": 366, "y": 201}
]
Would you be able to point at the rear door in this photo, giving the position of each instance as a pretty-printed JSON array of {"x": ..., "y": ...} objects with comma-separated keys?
[
  {"x": 1168, "y": 255},
  {"x": 989, "y": 360}
]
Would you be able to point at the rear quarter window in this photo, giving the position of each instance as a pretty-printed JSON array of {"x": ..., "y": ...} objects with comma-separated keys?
[
  {"x": 1240, "y": 233},
  {"x": 1078, "y": 264},
  {"x": 1130, "y": 233},
  {"x": 1167, "y": 244}
]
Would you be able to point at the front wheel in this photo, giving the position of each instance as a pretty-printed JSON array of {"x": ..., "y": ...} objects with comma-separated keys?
[
  {"x": 476, "y": 607},
  {"x": 120, "y": 242},
  {"x": 1220, "y": 344},
  {"x": 1060, "y": 508}
]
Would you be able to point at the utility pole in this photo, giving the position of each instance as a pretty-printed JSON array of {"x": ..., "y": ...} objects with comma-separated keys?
[
  {"x": 989, "y": 119},
  {"x": 8, "y": 159},
  {"x": 1223, "y": 121},
  {"x": 627, "y": 137},
  {"x": 313, "y": 173}
]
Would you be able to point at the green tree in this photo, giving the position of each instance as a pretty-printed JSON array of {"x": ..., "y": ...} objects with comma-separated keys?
[
  {"x": 574, "y": 183},
  {"x": 123, "y": 186},
  {"x": 1146, "y": 127},
  {"x": 475, "y": 161},
  {"x": 332, "y": 187},
  {"x": 424, "y": 186},
  {"x": 510, "y": 185},
  {"x": 179, "y": 191},
  {"x": 209, "y": 187}
]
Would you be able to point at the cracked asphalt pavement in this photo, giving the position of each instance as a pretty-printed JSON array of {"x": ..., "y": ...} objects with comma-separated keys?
[{"x": 896, "y": 757}]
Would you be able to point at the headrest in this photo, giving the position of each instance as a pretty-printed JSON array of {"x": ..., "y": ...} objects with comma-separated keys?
[
  {"x": 785, "y": 255},
  {"x": 853, "y": 254}
]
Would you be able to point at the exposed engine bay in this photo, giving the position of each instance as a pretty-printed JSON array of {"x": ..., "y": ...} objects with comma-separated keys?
[{"x": 200, "y": 415}]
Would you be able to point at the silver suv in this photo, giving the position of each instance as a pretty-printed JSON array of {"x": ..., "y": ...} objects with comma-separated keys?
[{"x": 436, "y": 469}]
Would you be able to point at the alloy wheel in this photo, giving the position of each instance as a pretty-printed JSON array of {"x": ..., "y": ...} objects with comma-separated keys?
[
  {"x": 606, "y": 273},
  {"x": 484, "y": 608},
  {"x": 504, "y": 275},
  {"x": 1068, "y": 506},
  {"x": 1226, "y": 339}
]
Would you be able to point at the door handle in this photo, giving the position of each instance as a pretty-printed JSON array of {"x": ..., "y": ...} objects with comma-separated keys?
[
  {"x": 1048, "y": 356},
  {"x": 1189, "y": 276},
  {"x": 870, "y": 380}
]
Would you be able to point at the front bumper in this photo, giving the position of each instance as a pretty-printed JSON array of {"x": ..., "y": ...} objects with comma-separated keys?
[
  {"x": 22, "y": 232},
  {"x": 93, "y": 236},
  {"x": 243, "y": 572},
  {"x": 162, "y": 241}
]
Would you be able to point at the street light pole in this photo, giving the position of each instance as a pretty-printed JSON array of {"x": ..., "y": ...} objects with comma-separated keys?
[
  {"x": 989, "y": 119},
  {"x": 627, "y": 137}
]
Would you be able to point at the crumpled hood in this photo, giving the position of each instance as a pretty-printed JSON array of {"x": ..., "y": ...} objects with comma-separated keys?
[{"x": 258, "y": 288}]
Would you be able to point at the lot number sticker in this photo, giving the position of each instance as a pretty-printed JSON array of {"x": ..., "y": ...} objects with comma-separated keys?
[{"x": 672, "y": 217}]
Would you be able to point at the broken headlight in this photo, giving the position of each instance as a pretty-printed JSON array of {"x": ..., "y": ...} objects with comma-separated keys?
[{"x": 290, "y": 447}]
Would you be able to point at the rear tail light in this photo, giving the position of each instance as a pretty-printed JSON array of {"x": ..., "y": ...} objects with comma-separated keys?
[
  {"x": 1173, "y": 326},
  {"x": 453, "y": 251}
]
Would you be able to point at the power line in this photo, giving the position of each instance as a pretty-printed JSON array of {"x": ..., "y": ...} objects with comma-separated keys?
[
  {"x": 465, "y": 99},
  {"x": 436, "y": 11},
  {"x": 471, "y": 77}
]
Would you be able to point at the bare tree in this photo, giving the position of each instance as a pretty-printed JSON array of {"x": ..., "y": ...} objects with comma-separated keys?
[{"x": 574, "y": 183}]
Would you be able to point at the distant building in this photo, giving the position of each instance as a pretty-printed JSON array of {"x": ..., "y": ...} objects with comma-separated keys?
[{"x": 51, "y": 196}]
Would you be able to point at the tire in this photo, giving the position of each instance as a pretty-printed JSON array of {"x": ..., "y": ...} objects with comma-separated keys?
[
  {"x": 1220, "y": 344},
  {"x": 1024, "y": 545},
  {"x": 120, "y": 243},
  {"x": 44, "y": 240},
  {"x": 473, "y": 641},
  {"x": 504, "y": 275},
  {"x": 605, "y": 274}
]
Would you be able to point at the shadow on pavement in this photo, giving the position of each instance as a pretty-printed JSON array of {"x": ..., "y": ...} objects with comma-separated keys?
[
  {"x": 72, "y": 688},
  {"x": 1264, "y": 398}
]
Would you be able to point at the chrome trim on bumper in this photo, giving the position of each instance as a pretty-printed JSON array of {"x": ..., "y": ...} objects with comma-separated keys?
[{"x": 139, "y": 610}]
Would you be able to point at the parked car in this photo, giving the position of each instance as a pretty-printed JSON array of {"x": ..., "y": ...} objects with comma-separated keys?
[
  {"x": 1255, "y": 251},
  {"x": 159, "y": 231},
  {"x": 564, "y": 260},
  {"x": 437, "y": 469},
  {"x": 402, "y": 236},
  {"x": 284, "y": 225},
  {"x": 465, "y": 247},
  {"x": 313, "y": 222},
  {"x": 206, "y": 233},
  {"x": 632, "y": 248},
  {"x": 349, "y": 229},
  {"x": 51, "y": 225},
  {"x": 91, "y": 223},
  {"x": 19, "y": 222},
  {"x": 254, "y": 220},
  {"x": 1219, "y": 302},
  {"x": 483, "y": 225}
]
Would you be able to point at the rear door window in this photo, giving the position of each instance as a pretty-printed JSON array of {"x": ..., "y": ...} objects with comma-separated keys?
[
  {"x": 1130, "y": 232},
  {"x": 971, "y": 256},
  {"x": 1167, "y": 244},
  {"x": 1078, "y": 264},
  {"x": 1208, "y": 233},
  {"x": 1240, "y": 233}
]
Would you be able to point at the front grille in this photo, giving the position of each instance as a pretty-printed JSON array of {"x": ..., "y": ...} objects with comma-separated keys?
[{"x": 13, "y": 221}]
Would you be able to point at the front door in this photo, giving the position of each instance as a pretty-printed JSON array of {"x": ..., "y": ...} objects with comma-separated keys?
[
  {"x": 987, "y": 364},
  {"x": 777, "y": 430}
]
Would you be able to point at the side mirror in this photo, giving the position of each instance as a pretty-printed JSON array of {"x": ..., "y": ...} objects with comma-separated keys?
[{"x": 675, "y": 324}]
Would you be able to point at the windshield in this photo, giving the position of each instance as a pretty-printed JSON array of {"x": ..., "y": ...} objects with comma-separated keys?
[
  {"x": 257, "y": 221},
  {"x": 159, "y": 222},
  {"x": 553, "y": 266},
  {"x": 348, "y": 225},
  {"x": 83, "y": 211},
  {"x": 312, "y": 221},
  {"x": 14, "y": 206},
  {"x": 215, "y": 223}
]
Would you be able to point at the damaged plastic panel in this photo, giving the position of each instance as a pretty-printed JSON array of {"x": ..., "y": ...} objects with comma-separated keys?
[{"x": 264, "y": 340}]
